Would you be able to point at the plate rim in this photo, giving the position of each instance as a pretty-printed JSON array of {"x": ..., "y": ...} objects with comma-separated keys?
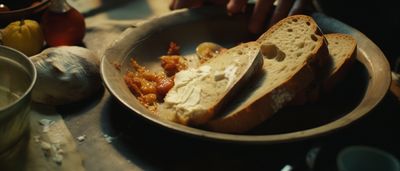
[{"x": 339, "y": 123}]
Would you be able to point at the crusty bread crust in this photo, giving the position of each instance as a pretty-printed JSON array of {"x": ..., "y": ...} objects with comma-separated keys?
[
  {"x": 335, "y": 74},
  {"x": 253, "y": 69},
  {"x": 257, "y": 109},
  {"x": 341, "y": 69}
]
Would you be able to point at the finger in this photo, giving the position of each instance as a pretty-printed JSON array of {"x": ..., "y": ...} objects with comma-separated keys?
[
  {"x": 172, "y": 4},
  {"x": 259, "y": 16},
  {"x": 302, "y": 7},
  {"x": 187, "y": 4},
  {"x": 281, "y": 11},
  {"x": 236, "y": 6}
]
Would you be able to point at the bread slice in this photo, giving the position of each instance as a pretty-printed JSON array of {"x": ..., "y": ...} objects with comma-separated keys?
[
  {"x": 292, "y": 49},
  {"x": 200, "y": 92},
  {"x": 342, "y": 51}
]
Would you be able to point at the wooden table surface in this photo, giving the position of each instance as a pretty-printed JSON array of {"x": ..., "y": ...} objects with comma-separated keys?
[{"x": 116, "y": 139}]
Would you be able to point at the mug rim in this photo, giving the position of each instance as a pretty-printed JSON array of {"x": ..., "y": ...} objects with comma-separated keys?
[
  {"x": 363, "y": 148},
  {"x": 33, "y": 76}
]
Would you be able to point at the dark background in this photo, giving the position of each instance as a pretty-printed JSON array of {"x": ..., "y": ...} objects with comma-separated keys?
[{"x": 378, "y": 20}]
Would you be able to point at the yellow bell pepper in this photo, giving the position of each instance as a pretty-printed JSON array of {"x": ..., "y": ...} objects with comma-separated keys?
[{"x": 25, "y": 36}]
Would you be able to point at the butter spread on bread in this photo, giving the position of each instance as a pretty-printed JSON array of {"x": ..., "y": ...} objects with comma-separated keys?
[{"x": 199, "y": 93}]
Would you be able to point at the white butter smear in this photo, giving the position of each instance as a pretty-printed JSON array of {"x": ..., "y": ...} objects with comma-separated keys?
[
  {"x": 230, "y": 74},
  {"x": 185, "y": 96}
]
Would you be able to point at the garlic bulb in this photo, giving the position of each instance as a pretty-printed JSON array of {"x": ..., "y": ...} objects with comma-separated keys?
[{"x": 66, "y": 74}]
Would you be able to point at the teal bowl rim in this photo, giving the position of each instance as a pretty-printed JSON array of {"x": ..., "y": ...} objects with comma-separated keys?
[{"x": 364, "y": 148}]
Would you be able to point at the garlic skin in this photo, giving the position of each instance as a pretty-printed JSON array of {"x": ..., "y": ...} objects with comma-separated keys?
[{"x": 66, "y": 74}]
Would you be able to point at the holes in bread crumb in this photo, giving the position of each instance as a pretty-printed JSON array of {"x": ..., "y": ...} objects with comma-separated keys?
[
  {"x": 240, "y": 52},
  {"x": 290, "y": 30},
  {"x": 314, "y": 37},
  {"x": 300, "y": 45},
  {"x": 281, "y": 56},
  {"x": 308, "y": 23},
  {"x": 294, "y": 20},
  {"x": 293, "y": 68},
  {"x": 298, "y": 54},
  {"x": 271, "y": 51}
]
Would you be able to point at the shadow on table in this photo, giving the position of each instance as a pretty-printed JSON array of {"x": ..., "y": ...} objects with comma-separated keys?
[
  {"x": 153, "y": 147},
  {"x": 156, "y": 147},
  {"x": 81, "y": 107}
]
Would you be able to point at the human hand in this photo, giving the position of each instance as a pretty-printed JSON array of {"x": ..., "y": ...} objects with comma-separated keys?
[{"x": 262, "y": 9}]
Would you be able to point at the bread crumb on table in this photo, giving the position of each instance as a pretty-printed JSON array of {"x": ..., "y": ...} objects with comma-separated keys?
[
  {"x": 108, "y": 138},
  {"x": 81, "y": 138},
  {"x": 46, "y": 123}
]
